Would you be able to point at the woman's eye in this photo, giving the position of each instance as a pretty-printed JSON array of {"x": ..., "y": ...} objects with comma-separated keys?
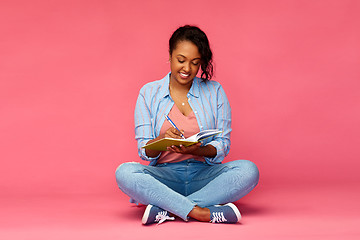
[
  {"x": 181, "y": 61},
  {"x": 196, "y": 63}
]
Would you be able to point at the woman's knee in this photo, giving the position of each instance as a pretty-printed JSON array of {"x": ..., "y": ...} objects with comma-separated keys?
[
  {"x": 253, "y": 171},
  {"x": 249, "y": 169},
  {"x": 124, "y": 170}
]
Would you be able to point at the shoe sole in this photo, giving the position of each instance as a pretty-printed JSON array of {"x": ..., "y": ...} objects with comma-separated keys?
[
  {"x": 146, "y": 214},
  {"x": 236, "y": 211}
]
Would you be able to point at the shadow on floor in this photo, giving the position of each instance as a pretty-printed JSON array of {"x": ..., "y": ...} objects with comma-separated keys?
[
  {"x": 250, "y": 209},
  {"x": 135, "y": 213}
]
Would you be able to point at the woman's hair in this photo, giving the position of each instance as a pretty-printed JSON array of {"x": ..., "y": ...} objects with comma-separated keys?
[{"x": 199, "y": 38}]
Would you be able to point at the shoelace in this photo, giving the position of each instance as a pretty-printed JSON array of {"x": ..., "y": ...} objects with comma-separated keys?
[
  {"x": 218, "y": 217},
  {"x": 162, "y": 216}
]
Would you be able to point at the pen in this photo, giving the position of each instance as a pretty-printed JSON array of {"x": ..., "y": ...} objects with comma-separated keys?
[{"x": 173, "y": 124}]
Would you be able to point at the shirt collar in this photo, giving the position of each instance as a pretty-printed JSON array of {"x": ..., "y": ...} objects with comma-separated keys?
[
  {"x": 165, "y": 86},
  {"x": 195, "y": 87},
  {"x": 194, "y": 90}
]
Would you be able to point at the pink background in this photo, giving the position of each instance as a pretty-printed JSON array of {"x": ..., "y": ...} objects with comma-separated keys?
[{"x": 70, "y": 72}]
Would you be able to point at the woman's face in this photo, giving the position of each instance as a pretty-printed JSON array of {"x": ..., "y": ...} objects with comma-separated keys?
[{"x": 184, "y": 62}]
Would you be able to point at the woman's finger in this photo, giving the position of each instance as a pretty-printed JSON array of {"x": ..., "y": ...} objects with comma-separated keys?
[{"x": 172, "y": 133}]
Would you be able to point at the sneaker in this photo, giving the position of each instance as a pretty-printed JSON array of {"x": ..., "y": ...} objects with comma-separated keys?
[
  {"x": 227, "y": 213},
  {"x": 155, "y": 214}
]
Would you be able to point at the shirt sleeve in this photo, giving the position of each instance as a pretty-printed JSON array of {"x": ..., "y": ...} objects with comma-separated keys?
[
  {"x": 143, "y": 125},
  {"x": 223, "y": 122}
]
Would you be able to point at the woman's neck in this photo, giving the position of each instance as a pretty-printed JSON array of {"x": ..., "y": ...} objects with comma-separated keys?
[{"x": 174, "y": 86}]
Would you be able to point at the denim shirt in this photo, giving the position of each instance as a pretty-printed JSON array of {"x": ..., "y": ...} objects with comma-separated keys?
[{"x": 210, "y": 106}]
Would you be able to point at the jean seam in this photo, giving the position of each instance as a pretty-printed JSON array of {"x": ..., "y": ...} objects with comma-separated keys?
[
  {"x": 212, "y": 177},
  {"x": 146, "y": 171}
]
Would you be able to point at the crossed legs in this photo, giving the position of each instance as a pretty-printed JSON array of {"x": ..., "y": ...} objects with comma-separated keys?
[{"x": 187, "y": 188}]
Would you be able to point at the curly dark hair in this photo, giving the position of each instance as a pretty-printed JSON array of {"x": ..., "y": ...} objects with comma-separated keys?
[{"x": 199, "y": 38}]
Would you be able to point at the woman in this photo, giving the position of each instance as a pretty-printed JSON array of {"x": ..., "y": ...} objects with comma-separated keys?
[{"x": 186, "y": 181}]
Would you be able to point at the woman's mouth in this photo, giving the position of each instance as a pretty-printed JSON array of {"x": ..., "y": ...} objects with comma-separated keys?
[{"x": 184, "y": 75}]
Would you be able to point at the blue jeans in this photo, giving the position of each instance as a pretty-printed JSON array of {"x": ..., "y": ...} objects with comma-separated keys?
[{"x": 178, "y": 187}]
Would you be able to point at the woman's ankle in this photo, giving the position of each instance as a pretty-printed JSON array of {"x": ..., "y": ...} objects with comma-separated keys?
[{"x": 200, "y": 214}]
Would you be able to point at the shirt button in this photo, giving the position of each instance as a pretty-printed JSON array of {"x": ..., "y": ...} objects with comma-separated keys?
[
  {"x": 189, "y": 99},
  {"x": 195, "y": 111}
]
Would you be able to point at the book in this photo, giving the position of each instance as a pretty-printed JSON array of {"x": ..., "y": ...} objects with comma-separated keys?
[{"x": 163, "y": 143}]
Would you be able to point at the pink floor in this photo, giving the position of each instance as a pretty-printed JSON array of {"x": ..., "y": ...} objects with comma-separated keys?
[{"x": 318, "y": 212}]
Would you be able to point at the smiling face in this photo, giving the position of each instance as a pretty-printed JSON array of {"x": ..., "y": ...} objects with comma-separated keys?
[{"x": 185, "y": 62}]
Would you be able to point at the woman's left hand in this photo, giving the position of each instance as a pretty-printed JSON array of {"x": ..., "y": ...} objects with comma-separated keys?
[{"x": 192, "y": 149}]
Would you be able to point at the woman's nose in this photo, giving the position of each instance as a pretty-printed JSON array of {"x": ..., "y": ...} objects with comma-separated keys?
[{"x": 186, "y": 67}]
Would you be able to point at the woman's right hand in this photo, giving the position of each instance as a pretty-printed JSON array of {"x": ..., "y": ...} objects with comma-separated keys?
[{"x": 173, "y": 133}]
